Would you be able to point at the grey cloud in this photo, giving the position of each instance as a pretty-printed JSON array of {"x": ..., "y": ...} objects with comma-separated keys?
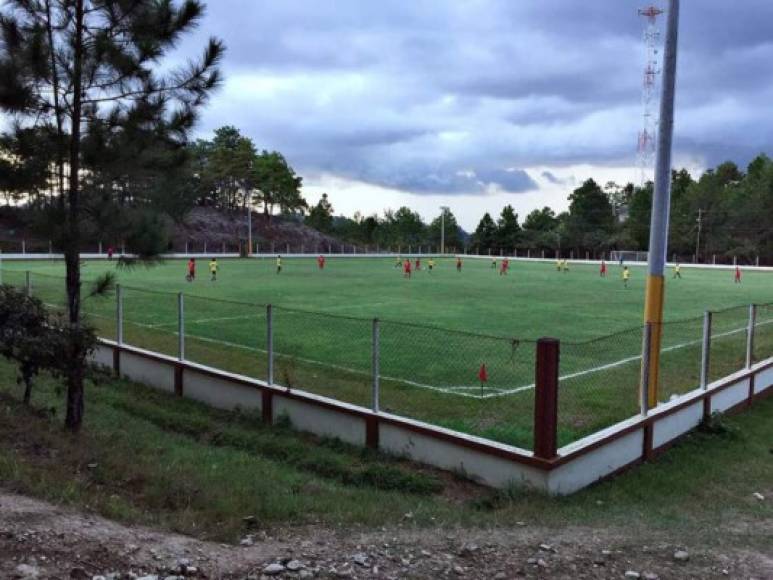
[{"x": 410, "y": 94}]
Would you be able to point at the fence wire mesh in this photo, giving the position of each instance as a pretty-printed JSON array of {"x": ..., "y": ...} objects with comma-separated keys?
[
  {"x": 598, "y": 383},
  {"x": 226, "y": 335},
  {"x": 680, "y": 357},
  {"x": 325, "y": 354},
  {"x": 728, "y": 341},
  {"x": 474, "y": 383},
  {"x": 763, "y": 333},
  {"x": 150, "y": 320}
]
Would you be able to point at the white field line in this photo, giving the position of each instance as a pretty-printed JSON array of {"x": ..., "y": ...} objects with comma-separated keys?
[{"x": 450, "y": 390}]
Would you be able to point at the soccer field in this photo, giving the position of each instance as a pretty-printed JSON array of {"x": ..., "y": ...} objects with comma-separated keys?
[{"x": 436, "y": 330}]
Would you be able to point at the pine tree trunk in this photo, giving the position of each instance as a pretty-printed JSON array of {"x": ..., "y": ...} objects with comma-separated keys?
[
  {"x": 27, "y": 391},
  {"x": 75, "y": 372}
]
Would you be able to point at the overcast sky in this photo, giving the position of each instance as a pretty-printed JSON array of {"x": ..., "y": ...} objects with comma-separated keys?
[{"x": 479, "y": 103}]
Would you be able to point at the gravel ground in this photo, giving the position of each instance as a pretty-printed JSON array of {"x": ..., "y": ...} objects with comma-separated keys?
[{"x": 39, "y": 540}]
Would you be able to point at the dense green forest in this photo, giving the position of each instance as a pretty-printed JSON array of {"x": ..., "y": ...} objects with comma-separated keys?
[{"x": 726, "y": 212}]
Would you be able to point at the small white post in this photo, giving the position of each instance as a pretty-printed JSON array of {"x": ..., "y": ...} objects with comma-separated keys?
[
  {"x": 758, "y": 261},
  {"x": 100, "y": 247},
  {"x": 118, "y": 314},
  {"x": 223, "y": 247},
  {"x": 714, "y": 259},
  {"x": 270, "y": 343},
  {"x": 50, "y": 249},
  {"x": 375, "y": 367},
  {"x": 180, "y": 327},
  {"x": 735, "y": 260},
  {"x": 706, "y": 350},
  {"x": 23, "y": 246},
  {"x": 750, "y": 336}
]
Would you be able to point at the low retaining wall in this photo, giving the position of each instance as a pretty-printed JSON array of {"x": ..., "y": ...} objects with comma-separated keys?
[{"x": 577, "y": 465}]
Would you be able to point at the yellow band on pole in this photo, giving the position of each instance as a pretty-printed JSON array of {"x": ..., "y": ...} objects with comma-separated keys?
[{"x": 653, "y": 313}]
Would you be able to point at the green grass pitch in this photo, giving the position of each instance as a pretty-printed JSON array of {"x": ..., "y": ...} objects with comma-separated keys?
[{"x": 436, "y": 330}]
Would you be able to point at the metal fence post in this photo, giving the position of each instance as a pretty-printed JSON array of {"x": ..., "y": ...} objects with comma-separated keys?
[
  {"x": 376, "y": 366},
  {"x": 706, "y": 350},
  {"x": 118, "y": 314},
  {"x": 23, "y": 246},
  {"x": 750, "y": 335},
  {"x": 27, "y": 283},
  {"x": 645, "y": 369},
  {"x": 546, "y": 398},
  {"x": 270, "y": 343},
  {"x": 180, "y": 326}
]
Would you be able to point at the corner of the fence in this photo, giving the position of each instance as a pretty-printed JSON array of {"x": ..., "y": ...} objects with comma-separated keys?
[{"x": 546, "y": 398}]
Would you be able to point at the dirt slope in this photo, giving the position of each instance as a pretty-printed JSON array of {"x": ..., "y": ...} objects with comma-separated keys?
[{"x": 39, "y": 540}]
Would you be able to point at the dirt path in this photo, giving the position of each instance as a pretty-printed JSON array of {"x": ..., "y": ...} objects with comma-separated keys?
[{"x": 40, "y": 540}]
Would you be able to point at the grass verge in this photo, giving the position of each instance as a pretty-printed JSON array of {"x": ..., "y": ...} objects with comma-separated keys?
[{"x": 147, "y": 457}]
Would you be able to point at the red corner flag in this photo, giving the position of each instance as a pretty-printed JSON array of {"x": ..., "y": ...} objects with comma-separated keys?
[{"x": 483, "y": 374}]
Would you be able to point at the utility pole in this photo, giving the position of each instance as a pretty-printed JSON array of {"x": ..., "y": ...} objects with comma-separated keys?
[
  {"x": 661, "y": 203},
  {"x": 443, "y": 210},
  {"x": 698, "y": 241},
  {"x": 249, "y": 228}
]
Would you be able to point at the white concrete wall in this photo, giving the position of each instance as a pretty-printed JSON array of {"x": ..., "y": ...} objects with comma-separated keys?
[
  {"x": 668, "y": 428},
  {"x": 596, "y": 464},
  {"x": 323, "y": 421},
  {"x": 730, "y": 397},
  {"x": 220, "y": 393},
  {"x": 763, "y": 380},
  {"x": 102, "y": 356},
  {"x": 479, "y": 466},
  {"x": 398, "y": 435},
  {"x": 153, "y": 373}
]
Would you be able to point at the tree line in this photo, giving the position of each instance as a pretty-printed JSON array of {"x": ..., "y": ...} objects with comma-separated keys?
[{"x": 724, "y": 213}]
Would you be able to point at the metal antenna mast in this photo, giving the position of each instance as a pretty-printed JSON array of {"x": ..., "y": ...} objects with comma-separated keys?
[{"x": 647, "y": 135}]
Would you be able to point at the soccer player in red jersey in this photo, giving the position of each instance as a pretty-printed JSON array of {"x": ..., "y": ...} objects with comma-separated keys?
[
  {"x": 737, "y": 275},
  {"x": 191, "y": 270},
  {"x": 504, "y": 267},
  {"x": 407, "y": 268},
  {"x": 458, "y": 264},
  {"x": 603, "y": 269},
  {"x": 321, "y": 262},
  {"x": 418, "y": 264}
]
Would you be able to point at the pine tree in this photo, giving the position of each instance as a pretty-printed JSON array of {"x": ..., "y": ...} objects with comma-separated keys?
[{"x": 84, "y": 70}]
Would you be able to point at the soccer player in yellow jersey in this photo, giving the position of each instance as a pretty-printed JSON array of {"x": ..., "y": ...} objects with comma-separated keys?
[
  {"x": 213, "y": 269},
  {"x": 678, "y": 271},
  {"x": 559, "y": 265},
  {"x": 398, "y": 262},
  {"x": 430, "y": 265},
  {"x": 565, "y": 266},
  {"x": 626, "y": 276},
  {"x": 278, "y": 264}
]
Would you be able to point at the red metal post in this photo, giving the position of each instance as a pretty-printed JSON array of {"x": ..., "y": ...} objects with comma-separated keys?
[{"x": 546, "y": 399}]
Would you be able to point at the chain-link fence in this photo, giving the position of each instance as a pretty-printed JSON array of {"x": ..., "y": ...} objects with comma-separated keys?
[
  {"x": 474, "y": 383},
  {"x": 763, "y": 333},
  {"x": 598, "y": 383},
  {"x": 469, "y": 382},
  {"x": 729, "y": 337}
]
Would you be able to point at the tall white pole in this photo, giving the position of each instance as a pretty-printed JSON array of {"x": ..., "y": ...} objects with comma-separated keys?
[{"x": 661, "y": 202}]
